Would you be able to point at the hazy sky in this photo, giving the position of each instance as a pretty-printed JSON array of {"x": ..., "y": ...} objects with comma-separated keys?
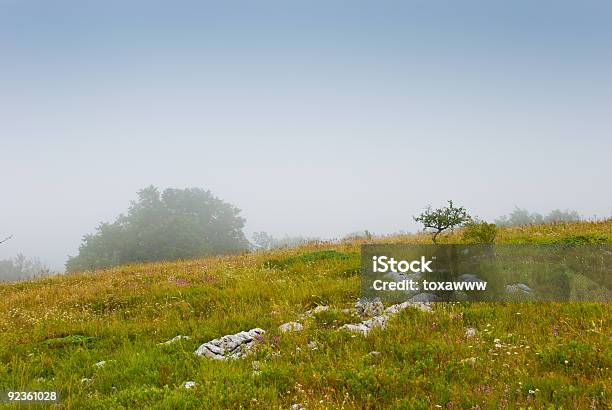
[{"x": 315, "y": 118}]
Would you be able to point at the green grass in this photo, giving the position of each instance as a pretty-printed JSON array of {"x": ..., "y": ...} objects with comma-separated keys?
[{"x": 54, "y": 330}]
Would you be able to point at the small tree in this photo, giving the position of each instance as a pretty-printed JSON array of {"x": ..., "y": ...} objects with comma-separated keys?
[
  {"x": 263, "y": 240},
  {"x": 441, "y": 219}
]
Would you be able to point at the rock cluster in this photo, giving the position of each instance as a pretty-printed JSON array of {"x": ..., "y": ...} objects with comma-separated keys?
[
  {"x": 230, "y": 346},
  {"x": 381, "y": 319},
  {"x": 369, "y": 308}
]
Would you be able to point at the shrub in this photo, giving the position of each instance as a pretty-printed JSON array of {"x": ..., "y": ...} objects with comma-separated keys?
[{"x": 479, "y": 232}]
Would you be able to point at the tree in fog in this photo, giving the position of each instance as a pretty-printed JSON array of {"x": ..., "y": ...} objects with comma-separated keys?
[
  {"x": 520, "y": 217},
  {"x": 20, "y": 268},
  {"x": 263, "y": 240},
  {"x": 178, "y": 223}
]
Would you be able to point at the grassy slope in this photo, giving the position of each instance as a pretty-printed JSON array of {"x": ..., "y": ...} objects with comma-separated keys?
[{"x": 559, "y": 352}]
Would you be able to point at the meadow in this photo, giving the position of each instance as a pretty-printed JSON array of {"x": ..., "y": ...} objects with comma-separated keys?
[{"x": 54, "y": 330}]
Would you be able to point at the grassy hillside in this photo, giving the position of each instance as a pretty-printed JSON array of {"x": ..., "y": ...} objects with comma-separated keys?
[{"x": 53, "y": 332}]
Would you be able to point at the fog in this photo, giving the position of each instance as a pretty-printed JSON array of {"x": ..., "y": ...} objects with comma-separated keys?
[{"x": 316, "y": 119}]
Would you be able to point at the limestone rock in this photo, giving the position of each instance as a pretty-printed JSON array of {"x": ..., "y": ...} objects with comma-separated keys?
[
  {"x": 470, "y": 332},
  {"x": 380, "y": 320},
  {"x": 290, "y": 327},
  {"x": 369, "y": 308},
  {"x": 366, "y": 326},
  {"x": 175, "y": 339},
  {"x": 230, "y": 346}
]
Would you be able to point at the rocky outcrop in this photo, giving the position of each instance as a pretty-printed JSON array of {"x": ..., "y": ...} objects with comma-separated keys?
[
  {"x": 366, "y": 326},
  {"x": 230, "y": 346},
  {"x": 380, "y": 321},
  {"x": 369, "y": 308}
]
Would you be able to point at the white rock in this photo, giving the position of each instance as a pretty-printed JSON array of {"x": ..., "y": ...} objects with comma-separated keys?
[
  {"x": 101, "y": 363},
  {"x": 366, "y": 326},
  {"x": 312, "y": 345},
  {"x": 230, "y": 346},
  {"x": 369, "y": 308},
  {"x": 290, "y": 327},
  {"x": 175, "y": 339},
  {"x": 85, "y": 380},
  {"x": 469, "y": 360},
  {"x": 470, "y": 332},
  {"x": 189, "y": 384}
]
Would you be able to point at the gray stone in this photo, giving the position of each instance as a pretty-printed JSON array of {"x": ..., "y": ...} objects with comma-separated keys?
[
  {"x": 470, "y": 332},
  {"x": 189, "y": 384},
  {"x": 380, "y": 321},
  {"x": 366, "y": 326},
  {"x": 175, "y": 339},
  {"x": 369, "y": 308},
  {"x": 290, "y": 327},
  {"x": 230, "y": 346},
  {"x": 518, "y": 287}
]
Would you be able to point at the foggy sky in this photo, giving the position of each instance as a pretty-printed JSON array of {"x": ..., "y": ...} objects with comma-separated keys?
[{"x": 315, "y": 118}]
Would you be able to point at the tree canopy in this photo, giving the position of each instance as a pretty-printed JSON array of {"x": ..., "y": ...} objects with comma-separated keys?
[
  {"x": 441, "y": 219},
  {"x": 176, "y": 224}
]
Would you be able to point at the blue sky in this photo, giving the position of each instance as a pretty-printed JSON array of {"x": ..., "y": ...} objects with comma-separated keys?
[{"x": 315, "y": 118}]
